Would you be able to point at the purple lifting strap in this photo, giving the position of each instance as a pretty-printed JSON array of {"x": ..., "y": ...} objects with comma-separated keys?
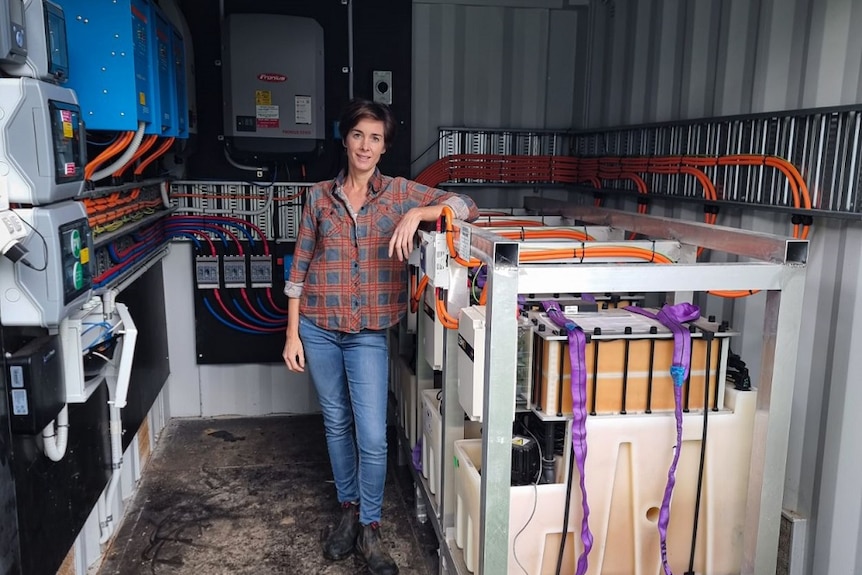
[
  {"x": 672, "y": 317},
  {"x": 577, "y": 354}
]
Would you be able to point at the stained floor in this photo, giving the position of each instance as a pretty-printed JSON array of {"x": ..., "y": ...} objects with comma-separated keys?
[{"x": 252, "y": 495}]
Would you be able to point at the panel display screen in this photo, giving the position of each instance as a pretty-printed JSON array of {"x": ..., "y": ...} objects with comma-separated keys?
[
  {"x": 58, "y": 52},
  {"x": 66, "y": 135}
]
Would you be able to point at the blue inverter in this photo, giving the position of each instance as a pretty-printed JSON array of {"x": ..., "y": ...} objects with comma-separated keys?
[
  {"x": 110, "y": 62},
  {"x": 182, "y": 96},
  {"x": 164, "y": 105}
]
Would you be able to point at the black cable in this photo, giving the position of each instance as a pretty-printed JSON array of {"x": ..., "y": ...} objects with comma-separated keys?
[
  {"x": 434, "y": 143},
  {"x": 707, "y": 336},
  {"x": 564, "y": 534},
  {"x": 44, "y": 250}
]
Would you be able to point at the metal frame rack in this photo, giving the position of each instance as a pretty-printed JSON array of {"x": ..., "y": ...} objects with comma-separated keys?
[{"x": 773, "y": 264}]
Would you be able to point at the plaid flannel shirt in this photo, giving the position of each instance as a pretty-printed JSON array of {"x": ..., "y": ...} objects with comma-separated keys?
[{"x": 341, "y": 269}]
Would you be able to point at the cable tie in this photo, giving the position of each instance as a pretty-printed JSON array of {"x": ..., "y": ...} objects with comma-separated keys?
[
  {"x": 523, "y": 234},
  {"x": 652, "y": 257},
  {"x": 583, "y": 252}
]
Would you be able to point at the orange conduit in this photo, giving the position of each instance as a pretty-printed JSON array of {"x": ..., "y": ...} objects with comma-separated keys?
[
  {"x": 142, "y": 149},
  {"x": 450, "y": 322},
  {"x": 109, "y": 152},
  {"x": 154, "y": 156},
  {"x": 558, "y": 234}
]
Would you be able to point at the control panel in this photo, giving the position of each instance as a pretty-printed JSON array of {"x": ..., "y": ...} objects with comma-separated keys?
[{"x": 59, "y": 277}]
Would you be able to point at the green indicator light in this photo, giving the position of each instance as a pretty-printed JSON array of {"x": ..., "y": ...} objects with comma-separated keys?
[
  {"x": 78, "y": 276},
  {"x": 75, "y": 243}
]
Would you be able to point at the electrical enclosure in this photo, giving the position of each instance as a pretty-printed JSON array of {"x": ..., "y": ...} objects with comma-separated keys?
[
  {"x": 42, "y": 142},
  {"x": 164, "y": 104},
  {"x": 181, "y": 93},
  {"x": 36, "y": 393},
  {"x": 13, "y": 37},
  {"x": 273, "y": 83},
  {"x": 109, "y": 57},
  {"x": 47, "y": 51},
  {"x": 60, "y": 248}
]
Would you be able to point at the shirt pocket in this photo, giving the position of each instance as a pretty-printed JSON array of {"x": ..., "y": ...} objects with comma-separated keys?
[
  {"x": 330, "y": 224},
  {"x": 385, "y": 218}
]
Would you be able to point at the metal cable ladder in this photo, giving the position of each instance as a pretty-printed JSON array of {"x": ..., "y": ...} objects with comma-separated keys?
[{"x": 824, "y": 144}]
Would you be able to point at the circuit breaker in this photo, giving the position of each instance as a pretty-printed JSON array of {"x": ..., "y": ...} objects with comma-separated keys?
[{"x": 42, "y": 142}]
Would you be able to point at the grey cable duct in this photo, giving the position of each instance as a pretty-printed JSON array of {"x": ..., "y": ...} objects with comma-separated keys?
[
  {"x": 124, "y": 159},
  {"x": 239, "y": 166}
]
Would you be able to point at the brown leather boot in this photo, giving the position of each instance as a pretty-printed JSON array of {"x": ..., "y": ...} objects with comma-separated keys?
[
  {"x": 339, "y": 544},
  {"x": 371, "y": 547}
]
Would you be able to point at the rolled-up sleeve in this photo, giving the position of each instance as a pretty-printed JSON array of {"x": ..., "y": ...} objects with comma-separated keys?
[
  {"x": 463, "y": 207},
  {"x": 419, "y": 195}
]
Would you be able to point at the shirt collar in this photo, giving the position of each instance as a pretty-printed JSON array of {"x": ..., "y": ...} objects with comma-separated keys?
[{"x": 376, "y": 181}]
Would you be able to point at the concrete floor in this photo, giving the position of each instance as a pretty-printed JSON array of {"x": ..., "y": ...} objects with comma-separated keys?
[{"x": 252, "y": 495}]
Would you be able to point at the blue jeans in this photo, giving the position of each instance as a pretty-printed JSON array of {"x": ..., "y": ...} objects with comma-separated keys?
[{"x": 350, "y": 372}]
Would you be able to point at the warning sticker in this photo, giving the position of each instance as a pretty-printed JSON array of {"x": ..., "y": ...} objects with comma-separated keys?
[
  {"x": 302, "y": 109},
  {"x": 68, "y": 131},
  {"x": 69, "y": 168},
  {"x": 263, "y": 97},
  {"x": 267, "y": 116}
]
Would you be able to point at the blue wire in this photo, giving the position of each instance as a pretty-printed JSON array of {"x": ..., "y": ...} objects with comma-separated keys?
[
  {"x": 252, "y": 319},
  {"x": 227, "y": 323},
  {"x": 192, "y": 237},
  {"x": 197, "y": 219},
  {"x": 122, "y": 270},
  {"x": 268, "y": 313},
  {"x": 219, "y": 233}
]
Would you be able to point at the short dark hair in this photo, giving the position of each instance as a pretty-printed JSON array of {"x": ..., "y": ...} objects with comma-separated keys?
[{"x": 360, "y": 109}]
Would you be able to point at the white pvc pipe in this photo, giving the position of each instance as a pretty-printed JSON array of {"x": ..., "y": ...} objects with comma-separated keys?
[
  {"x": 124, "y": 159},
  {"x": 54, "y": 443},
  {"x": 116, "y": 427}
]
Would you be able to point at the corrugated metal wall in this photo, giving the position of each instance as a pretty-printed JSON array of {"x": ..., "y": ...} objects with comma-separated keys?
[
  {"x": 514, "y": 65},
  {"x": 660, "y": 60},
  {"x": 560, "y": 65}
]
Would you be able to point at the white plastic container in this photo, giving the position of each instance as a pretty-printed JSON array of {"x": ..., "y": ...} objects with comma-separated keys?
[{"x": 626, "y": 471}]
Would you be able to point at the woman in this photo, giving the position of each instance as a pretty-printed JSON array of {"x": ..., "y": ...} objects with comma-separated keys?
[{"x": 347, "y": 285}]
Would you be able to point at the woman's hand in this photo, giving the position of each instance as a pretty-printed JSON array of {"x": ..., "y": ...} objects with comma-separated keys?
[
  {"x": 401, "y": 243},
  {"x": 294, "y": 355}
]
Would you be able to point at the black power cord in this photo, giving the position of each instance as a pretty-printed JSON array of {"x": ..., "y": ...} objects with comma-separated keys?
[{"x": 564, "y": 534}]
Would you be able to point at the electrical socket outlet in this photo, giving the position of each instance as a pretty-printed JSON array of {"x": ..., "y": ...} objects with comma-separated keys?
[
  {"x": 207, "y": 272},
  {"x": 261, "y": 271},
  {"x": 234, "y": 271}
]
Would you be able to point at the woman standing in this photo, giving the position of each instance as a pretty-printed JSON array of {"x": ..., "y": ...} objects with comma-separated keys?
[{"x": 347, "y": 285}]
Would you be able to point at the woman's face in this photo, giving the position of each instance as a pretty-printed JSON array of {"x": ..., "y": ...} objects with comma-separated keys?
[{"x": 364, "y": 145}]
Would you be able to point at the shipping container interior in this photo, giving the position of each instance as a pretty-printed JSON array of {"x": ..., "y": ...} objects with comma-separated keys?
[{"x": 638, "y": 359}]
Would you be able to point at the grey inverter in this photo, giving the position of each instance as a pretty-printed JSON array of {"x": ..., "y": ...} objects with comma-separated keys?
[{"x": 273, "y": 83}]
